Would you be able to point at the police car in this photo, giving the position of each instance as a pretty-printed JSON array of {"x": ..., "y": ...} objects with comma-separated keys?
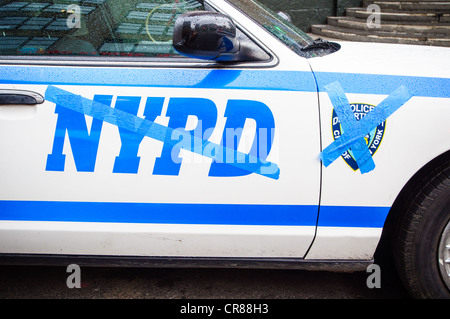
[{"x": 215, "y": 133}]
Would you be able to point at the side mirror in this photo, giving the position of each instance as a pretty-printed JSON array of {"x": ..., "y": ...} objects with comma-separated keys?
[{"x": 212, "y": 36}]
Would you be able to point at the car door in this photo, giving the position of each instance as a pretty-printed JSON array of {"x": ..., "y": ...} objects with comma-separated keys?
[{"x": 112, "y": 144}]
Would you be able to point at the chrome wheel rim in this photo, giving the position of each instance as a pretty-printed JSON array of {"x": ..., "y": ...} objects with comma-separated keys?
[{"x": 444, "y": 255}]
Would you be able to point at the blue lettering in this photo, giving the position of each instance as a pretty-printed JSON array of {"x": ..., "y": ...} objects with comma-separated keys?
[
  {"x": 179, "y": 110},
  {"x": 128, "y": 159},
  {"x": 84, "y": 144},
  {"x": 237, "y": 112}
]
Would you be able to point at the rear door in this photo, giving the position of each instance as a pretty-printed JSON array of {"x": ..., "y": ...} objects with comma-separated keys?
[{"x": 113, "y": 144}]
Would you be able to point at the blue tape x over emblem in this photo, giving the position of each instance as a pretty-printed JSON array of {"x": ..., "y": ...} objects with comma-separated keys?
[{"x": 355, "y": 131}]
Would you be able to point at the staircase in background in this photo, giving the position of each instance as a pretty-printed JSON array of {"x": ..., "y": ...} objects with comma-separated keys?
[{"x": 422, "y": 22}]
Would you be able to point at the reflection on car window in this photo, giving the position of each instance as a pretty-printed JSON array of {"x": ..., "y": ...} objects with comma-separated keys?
[
  {"x": 275, "y": 24},
  {"x": 91, "y": 27}
]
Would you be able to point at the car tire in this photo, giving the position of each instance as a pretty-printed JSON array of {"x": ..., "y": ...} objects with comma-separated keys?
[{"x": 422, "y": 238}]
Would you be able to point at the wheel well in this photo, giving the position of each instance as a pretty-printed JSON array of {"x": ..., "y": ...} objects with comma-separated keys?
[{"x": 406, "y": 195}]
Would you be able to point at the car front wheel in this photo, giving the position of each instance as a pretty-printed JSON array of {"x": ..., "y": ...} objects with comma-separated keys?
[{"x": 422, "y": 239}]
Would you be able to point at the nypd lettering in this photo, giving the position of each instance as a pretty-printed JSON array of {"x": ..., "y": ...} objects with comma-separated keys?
[{"x": 84, "y": 142}]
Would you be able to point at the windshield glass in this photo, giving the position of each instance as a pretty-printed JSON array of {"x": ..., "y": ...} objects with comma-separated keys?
[{"x": 281, "y": 28}]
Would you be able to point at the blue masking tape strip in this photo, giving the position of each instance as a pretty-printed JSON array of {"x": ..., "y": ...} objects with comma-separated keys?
[
  {"x": 360, "y": 150},
  {"x": 374, "y": 118},
  {"x": 158, "y": 132}
]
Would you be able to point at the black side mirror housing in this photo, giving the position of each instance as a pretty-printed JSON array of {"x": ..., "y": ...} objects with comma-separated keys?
[{"x": 213, "y": 36}]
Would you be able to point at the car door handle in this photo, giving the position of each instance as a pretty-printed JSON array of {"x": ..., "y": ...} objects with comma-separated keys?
[{"x": 20, "y": 97}]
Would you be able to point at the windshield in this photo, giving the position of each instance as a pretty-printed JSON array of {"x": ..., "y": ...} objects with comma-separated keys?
[{"x": 281, "y": 28}]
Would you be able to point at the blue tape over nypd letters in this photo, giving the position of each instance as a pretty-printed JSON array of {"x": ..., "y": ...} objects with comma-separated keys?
[
  {"x": 159, "y": 132},
  {"x": 354, "y": 131}
]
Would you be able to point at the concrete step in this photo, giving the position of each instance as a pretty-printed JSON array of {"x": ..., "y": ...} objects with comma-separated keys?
[
  {"x": 435, "y": 6},
  {"x": 399, "y": 16},
  {"x": 422, "y": 22},
  {"x": 438, "y": 30},
  {"x": 378, "y": 36}
]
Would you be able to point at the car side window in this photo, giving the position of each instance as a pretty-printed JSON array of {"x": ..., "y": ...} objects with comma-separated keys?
[{"x": 112, "y": 28}]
